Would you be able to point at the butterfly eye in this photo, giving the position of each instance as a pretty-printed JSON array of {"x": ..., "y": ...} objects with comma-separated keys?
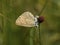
[{"x": 40, "y": 19}]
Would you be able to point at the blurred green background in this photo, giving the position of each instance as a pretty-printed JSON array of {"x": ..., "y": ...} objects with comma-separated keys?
[{"x": 11, "y": 34}]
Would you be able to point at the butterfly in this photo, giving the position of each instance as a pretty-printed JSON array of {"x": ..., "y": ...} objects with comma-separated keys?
[{"x": 27, "y": 19}]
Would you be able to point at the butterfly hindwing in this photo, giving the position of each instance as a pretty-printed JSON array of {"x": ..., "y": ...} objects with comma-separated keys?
[{"x": 26, "y": 19}]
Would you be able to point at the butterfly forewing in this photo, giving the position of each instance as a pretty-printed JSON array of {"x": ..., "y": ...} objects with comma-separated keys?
[{"x": 26, "y": 19}]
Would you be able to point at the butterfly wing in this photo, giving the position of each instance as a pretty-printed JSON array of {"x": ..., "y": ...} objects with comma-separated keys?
[{"x": 26, "y": 19}]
